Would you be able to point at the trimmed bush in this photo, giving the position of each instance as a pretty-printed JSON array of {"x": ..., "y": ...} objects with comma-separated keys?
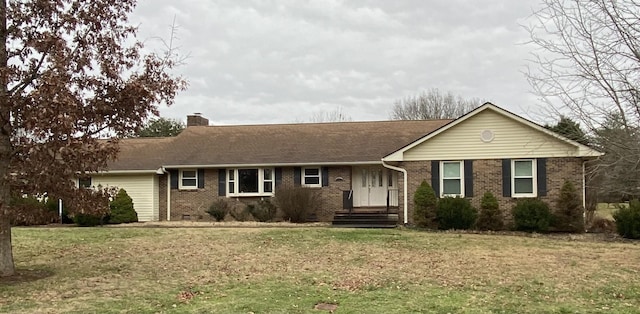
[
  {"x": 425, "y": 201},
  {"x": 531, "y": 215},
  {"x": 490, "y": 215},
  {"x": 263, "y": 210},
  {"x": 240, "y": 212},
  {"x": 455, "y": 213},
  {"x": 122, "y": 209},
  {"x": 88, "y": 220},
  {"x": 296, "y": 203},
  {"x": 628, "y": 220},
  {"x": 569, "y": 214},
  {"x": 219, "y": 209}
]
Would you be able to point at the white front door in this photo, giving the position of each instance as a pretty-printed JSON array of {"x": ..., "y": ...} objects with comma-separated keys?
[{"x": 370, "y": 186}]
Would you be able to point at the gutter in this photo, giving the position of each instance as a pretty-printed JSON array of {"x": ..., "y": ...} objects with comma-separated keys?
[
  {"x": 290, "y": 164},
  {"x": 404, "y": 189}
]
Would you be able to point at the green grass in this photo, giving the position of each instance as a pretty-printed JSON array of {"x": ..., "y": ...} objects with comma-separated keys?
[{"x": 285, "y": 270}]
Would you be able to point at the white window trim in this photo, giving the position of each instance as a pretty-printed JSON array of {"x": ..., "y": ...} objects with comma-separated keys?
[
  {"x": 534, "y": 174},
  {"x": 461, "y": 163},
  {"x": 86, "y": 187},
  {"x": 304, "y": 178},
  {"x": 261, "y": 191},
  {"x": 187, "y": 187}
]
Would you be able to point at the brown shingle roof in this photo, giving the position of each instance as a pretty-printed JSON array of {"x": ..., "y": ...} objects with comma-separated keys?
[
  {"x": 145, "y": 153},
  {"x": 342, "y": 142}
]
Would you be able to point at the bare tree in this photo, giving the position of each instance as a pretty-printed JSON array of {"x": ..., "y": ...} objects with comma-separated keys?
[
  {"x": 432, "y": 104},
  {"x": 336, "y": 115},
  {"x": 70, "y": 71},
  {"x": 587, "y": 67}
]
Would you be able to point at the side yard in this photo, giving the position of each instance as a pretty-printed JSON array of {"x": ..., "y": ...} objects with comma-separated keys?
[{"x": 290, "y": 270}]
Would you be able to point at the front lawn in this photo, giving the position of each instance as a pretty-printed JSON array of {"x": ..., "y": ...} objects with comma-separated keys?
[{"x": 290, "y": 270}]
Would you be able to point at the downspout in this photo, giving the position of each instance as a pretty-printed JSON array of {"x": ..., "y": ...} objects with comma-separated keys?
[{"x": 404, "y": 189}]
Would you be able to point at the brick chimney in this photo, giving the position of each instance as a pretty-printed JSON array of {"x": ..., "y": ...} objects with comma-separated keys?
[{"x": 197, "y": 119}]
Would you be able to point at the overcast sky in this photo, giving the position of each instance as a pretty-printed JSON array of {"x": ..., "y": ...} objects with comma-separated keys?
[{"x": 274, "y": 61}]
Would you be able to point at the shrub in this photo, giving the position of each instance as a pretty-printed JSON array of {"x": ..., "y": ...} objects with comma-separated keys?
[
  {"x": 263, "y": 210},
  {"x": 425, "y": 202},
  {"x": 455, "y": 213},
  {"x": 531, "y": 215},
  {"x": 490, "y": 215},
  {"x": 628, "y": 220},
  {"x": 602, "y": 225},
  {"x": 296, "y": 203},
  {"x": 569, "y": 214},
  {"x": 240, "y": 212},
  {"x": 122, "y": 209},
  {"x": 88, "y": 220},
  {"x": 219, "y": 209},
  {"x": 28, "y": 210}
]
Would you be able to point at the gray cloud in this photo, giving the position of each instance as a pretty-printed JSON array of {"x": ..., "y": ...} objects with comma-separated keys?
[{"x": 280, "y": 61}]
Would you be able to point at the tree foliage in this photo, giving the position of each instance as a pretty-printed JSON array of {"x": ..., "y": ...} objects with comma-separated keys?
[
  {"x": 336, "y": 115},
  {"x": 161, "y": 127},
  {"x": 432, "y": 104},
  {"x": 71, "y": 72},
  {"x": 586, "y": 67},
  {"x": 570, "y": 129}
]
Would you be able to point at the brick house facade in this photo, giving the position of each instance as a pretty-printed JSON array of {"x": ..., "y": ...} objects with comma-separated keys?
[{"x": 488, "y": 149}]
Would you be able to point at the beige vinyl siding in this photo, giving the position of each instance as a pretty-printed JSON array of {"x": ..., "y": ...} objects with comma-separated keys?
[
  {"x": 143, "y": 190},
  {"x": 156, "y": 198},
  {"x": 512, "y": 139}
]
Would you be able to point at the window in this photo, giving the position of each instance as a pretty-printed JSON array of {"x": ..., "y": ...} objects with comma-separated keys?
[
  {"x": 84, "y": 182},
  {"x": 523, "y": 178},
  {"x": 268, "y": 180},
  {"x": 452, "y": 180},
  {"x": 250, "y": 182},
  {"x": 188, "y": 179},
  {"x": 232, "y": 181},
  {"x": 311, "y": 177}
]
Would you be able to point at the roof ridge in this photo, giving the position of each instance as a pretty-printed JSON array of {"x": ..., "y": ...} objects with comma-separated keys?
[{"x": 318, "y": 123}]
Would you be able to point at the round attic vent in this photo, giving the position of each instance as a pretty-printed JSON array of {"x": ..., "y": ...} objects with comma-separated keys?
[{"x": 487, "y": 136}]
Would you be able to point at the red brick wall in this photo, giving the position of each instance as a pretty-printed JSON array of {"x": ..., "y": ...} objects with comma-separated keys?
[
  {"x": 162, "y": 198},
  {"x": 192, "y": 204},
  {"x": 487, "y": 176}
]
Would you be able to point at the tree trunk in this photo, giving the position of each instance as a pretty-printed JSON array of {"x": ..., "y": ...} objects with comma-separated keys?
[{"x": 6, "y": 255}]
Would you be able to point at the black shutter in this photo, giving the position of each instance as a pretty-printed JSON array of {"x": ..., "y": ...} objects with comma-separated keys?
[
  {"x": 278, "y": 178},
  {"x": 542, "y": 176},
  {"x": 200, "y": 178},
  {"x": 435, "y": 176},
  {"x": 222, "y": 182},
  {"x": 506, "y": 177},
  {"x": 297, "y": 176},
  {"x": 325, "y": 176},
  {"x": 173, "y": 173},
  {"x": 468, "y": 178}
]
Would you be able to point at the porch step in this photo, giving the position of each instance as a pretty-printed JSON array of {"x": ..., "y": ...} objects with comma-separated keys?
[{"x": 365, "y": 220}]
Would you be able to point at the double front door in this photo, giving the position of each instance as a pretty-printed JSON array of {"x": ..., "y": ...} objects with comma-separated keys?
[{"x": 370, "y": 185}]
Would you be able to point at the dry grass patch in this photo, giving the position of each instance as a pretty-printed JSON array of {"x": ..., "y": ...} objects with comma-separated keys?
[{"x": 242, "y": 270}]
